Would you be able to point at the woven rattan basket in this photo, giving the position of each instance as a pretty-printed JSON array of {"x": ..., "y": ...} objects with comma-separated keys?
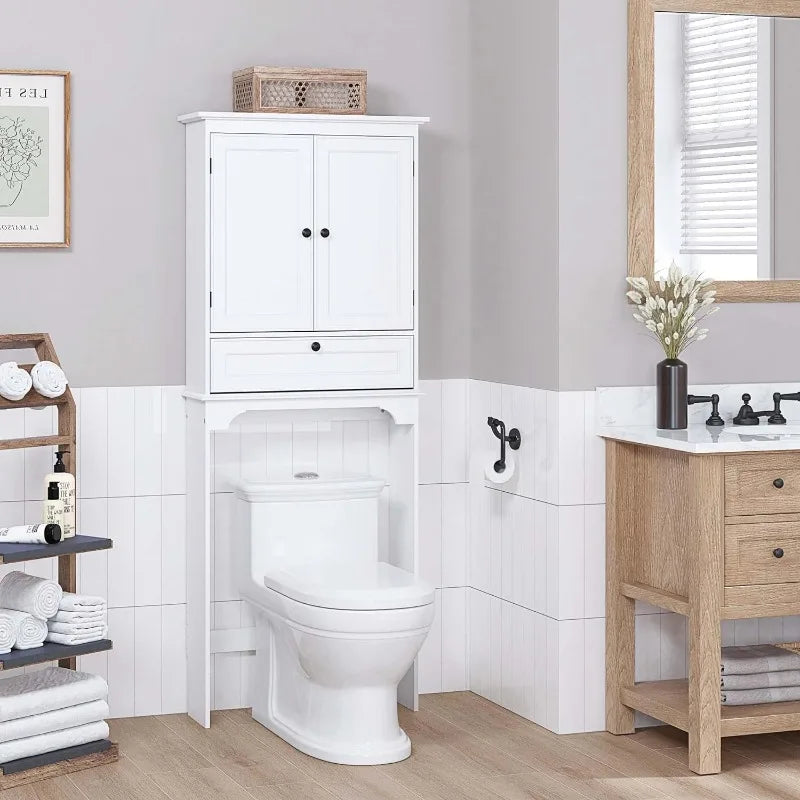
[{"x": 300, "y": 91}]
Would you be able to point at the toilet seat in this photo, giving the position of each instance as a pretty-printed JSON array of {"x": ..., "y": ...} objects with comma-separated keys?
[{"x": 349, "y": 586}]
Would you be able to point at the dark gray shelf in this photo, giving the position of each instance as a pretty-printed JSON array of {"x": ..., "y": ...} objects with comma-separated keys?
[
  {"x": 14, "y": 553},
  {"x": 50, "y": 651},
  {"x": 65, "y": 754}
]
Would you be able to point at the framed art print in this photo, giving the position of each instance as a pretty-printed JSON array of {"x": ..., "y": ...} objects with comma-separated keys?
[{"x": 34, "y": 158}]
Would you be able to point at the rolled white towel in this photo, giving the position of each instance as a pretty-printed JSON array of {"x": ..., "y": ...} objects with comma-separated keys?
[
  {"x": 49, "y": 379},
  {"x": 81, "y": 602},
  {"x": 8, "y": 631},
  {"x": 78, "y": 628},
  {"x": 15, "y": 383},
  {"x": 30, "y": 631},
  {"x": 76, "y": 638},
  {"x": 35, "y": 596},
  {"x": 81, "y": 617}
]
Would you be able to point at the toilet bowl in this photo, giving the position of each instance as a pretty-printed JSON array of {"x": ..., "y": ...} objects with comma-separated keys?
[{"x": 336, "y": 629}]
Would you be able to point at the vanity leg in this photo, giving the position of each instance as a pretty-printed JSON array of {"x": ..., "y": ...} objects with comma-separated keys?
[
  {"x": 705, "y": 639},
  {"x": 620, "y": 619}
]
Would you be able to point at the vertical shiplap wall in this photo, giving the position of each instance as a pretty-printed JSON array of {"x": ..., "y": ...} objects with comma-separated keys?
[
  {"x": 443, "y": 500},
  {"x": 131, "y": 488},
  {"x": 536, "y": 558}
]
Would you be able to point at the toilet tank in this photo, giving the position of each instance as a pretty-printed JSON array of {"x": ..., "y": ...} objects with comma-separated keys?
[{"x": 308, "y": 519}]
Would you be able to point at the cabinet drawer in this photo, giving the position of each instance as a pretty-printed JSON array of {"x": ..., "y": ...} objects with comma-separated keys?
[
  {"x": 762, "y": 484},
  {"x": 312, "y": 364},
  {"x": 762, "y": 553}
]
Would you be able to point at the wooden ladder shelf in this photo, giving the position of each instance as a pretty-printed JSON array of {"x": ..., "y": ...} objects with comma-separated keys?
[{"x": 51, "y": 765}]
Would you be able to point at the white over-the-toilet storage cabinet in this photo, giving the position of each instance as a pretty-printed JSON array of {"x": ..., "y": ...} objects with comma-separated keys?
[
  {"x": 301, "y": 275},
  {"x": 309, "y": 227}
]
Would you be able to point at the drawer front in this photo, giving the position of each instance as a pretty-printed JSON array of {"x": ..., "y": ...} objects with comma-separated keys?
[
  {"x": 762, "y": 553},
  {"x": 762, "y": 484},
  {"x": 312, "y": 364}
]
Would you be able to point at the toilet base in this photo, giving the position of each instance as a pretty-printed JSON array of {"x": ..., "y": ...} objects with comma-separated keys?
[{"x": 386, "y": 753}]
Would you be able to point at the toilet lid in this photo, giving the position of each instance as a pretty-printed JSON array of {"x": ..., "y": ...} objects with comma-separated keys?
[{"x": 375, "y": 586}]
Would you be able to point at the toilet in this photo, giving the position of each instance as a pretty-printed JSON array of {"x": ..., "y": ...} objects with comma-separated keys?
[{"x": 336, "y": 629}]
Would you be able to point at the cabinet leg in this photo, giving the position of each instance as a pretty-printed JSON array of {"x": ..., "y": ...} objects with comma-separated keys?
[
  {"x": 705, "y": 636},
  {"x": 705, "y": 712},
  {"x": 620, "y": 662},
  {"x": 620, "y": 610}
]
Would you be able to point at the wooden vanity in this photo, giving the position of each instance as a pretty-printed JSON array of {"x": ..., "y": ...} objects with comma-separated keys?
[{"x": 707, "y": 525}]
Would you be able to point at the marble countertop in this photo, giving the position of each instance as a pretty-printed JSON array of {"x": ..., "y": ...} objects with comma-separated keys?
[{"x": 701, "y": 439}]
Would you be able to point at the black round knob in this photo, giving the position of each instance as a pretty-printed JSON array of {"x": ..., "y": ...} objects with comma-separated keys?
[
  {"x": 778, "y": 483},
  {"x": 778, "y": 552},
  {"x": 746, "y": 398},
  {"x": 324, "y": 233},
  {"x": 316, "y": 347},
  {"x": 306, "y": 233}
]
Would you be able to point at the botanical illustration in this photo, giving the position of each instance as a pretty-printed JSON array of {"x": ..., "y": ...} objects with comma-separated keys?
[{"x": 20, "y": 147}]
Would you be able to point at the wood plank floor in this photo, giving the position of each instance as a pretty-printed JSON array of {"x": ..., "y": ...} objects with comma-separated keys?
[{"x": 464, "y": 748}]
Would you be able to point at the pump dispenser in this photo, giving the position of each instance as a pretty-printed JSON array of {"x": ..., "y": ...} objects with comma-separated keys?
[{"x": 66, "y": 492}]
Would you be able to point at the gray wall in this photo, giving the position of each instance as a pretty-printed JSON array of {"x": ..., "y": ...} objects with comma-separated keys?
[
  {"x": 599, "y": 343},
  {"x": 114, "y": 302},
  {"x": 515, "y": 191}
]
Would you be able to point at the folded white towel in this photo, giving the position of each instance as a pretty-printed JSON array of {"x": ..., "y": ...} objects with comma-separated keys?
[
  {"x": 77, "y": 638},
  {"x": 8, "y": 631},
  {"x": 77, "y": 628},
  {"x": 80, "y": 617},
  {"x": 83, "y": 603},
  {"x": 47, "y": 742},
  {"x": 49, "y": 379},
  {"x": 35, "y": 596},
  {"x": 70, "y": 717},
  {"x": 47, "y": 690},
  {"x": 30, "y": 631},
  {"x": 15, "y": 383}
]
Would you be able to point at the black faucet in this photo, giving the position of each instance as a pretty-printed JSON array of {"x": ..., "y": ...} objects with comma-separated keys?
[
  {"x": 747, "y": 416},
  {"x": 715, "y": 420}
]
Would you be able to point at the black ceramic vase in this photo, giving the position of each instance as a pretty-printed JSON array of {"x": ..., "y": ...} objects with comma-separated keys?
[{"x": 672, "y": 389}]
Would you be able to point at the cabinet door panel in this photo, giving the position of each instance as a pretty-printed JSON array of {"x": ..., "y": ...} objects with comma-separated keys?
[
  {"x": 364, "y": 189},
  {"x": 261, "y": 264}
]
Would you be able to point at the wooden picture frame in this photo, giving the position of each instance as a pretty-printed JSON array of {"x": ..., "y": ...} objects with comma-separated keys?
[
  {"x": 34, "y": 158},
  {"x": 641, "y": 139}
]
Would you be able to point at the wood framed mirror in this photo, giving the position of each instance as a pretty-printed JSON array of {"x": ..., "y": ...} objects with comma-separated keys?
[{"x": 713, "y": 143}]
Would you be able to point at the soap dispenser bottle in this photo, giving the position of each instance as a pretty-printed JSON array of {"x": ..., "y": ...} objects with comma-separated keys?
[
  {"x": 53, "y": 513},
  {"x": 66, "y": 492}
]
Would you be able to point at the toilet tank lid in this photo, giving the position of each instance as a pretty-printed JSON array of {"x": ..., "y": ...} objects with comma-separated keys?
[{"x": 343, "y": 487}]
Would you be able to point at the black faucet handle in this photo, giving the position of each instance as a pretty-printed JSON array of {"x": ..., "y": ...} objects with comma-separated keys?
[
  {"x": 715, "y": 420},
  {"x": 777, "y": 418}
]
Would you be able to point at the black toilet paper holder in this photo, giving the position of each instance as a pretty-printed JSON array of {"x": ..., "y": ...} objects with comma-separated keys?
[{"x": 514, "y": 440}]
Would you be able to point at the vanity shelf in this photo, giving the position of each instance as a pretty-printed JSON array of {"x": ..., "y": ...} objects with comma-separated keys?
[{"x": 669, "y": 702}]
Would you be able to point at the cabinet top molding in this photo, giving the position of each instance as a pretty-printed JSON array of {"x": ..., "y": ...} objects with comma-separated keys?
[
  {"x": 352, "y": 119},
  {"x": 699, "y": 439}
]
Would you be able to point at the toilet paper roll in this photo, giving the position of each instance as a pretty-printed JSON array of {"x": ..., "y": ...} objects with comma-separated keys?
[{"x": 501, "y": 477}]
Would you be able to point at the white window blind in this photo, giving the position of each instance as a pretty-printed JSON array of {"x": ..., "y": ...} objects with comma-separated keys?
[{"x": 719, "y": 172}]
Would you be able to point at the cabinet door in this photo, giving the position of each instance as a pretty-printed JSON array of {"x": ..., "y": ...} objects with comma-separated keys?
[
  {"x": 262, "y": 245},
  {"x": 364, "y": 215}
]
